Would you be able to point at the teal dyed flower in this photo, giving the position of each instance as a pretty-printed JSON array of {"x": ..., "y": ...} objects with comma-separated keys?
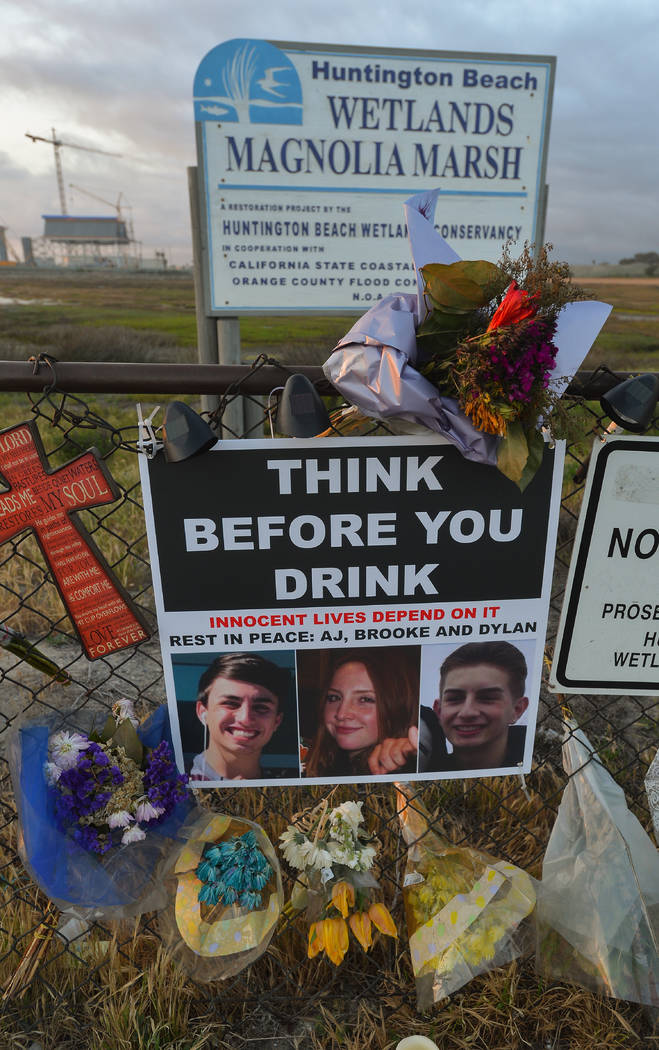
[
  {"x": 209, "y": 894},
  {"x": 233, "y": 872}
]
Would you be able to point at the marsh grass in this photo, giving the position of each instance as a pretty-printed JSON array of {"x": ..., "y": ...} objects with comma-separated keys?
[
  {"x": 145, "y": 317},
  {"x": 110, "y": 342},
  {"x": 120, "y": 317}
]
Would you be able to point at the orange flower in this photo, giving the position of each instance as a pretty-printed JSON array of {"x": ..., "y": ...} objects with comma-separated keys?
[
  {"x": 380, "y": 916},
  {"x": 316, "y": 940},
  {"x": 484, "y": 416},
  {"x": 360, "y": 924},
  {"x": 343, "y": 897},
  {"x": 516, "y": 306},
  {"x": 335, "y": 936}
]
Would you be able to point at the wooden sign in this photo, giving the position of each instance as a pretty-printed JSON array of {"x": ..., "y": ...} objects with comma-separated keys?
[{"x": 45, "y": 501}]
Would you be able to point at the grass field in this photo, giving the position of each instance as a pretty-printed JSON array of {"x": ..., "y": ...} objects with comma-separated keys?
[
  {"x": 84, "y": 316},
  {"x": 87, "y": 316}
]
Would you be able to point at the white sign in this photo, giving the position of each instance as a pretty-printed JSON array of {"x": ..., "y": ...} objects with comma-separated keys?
[
  {"x": 307, "y": 152},
  {"x": 608, "y": 639}
]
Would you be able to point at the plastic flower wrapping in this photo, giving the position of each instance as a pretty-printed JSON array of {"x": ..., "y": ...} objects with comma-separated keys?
[
  {"x": 98, "y": 809},
  {"x": 334, "y": 854},
  {"x": 467, "y": 913},
  {"x": 480, "y": 355},
  {"x": 225, "y": 896},
  {"x": 652, "y": 791},
  {"x": 598, "y": 903}
]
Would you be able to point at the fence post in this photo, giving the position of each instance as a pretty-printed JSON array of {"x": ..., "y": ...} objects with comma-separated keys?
[{"x": 206, "y": 330}]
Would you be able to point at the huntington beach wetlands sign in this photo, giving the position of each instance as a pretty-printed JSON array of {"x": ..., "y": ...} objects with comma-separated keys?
[
  {"x": 305, "y": 553},
  {"x": 306, "y": 151}
]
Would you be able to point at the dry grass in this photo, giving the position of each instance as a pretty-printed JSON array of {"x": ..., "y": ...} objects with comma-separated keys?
[{"x": 116, "y": 990}]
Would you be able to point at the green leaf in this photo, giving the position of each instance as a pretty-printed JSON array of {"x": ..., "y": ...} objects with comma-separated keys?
[
  {"x": 506, "y": 410},
  {"x": 438, "y": 322},
  {"x": 459, "y": 287},
  {"x": 126, "y": 737},
  {"x": 481, "y": 271},
  {"x": 439, "y": 334},
  {"x": 513, "y": 453},
  {"x": 107, "y": 731},
  {"x": 536, "y": 452}
]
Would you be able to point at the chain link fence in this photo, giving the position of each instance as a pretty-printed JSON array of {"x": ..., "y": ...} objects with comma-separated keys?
[{"x": 113, "y": 986}]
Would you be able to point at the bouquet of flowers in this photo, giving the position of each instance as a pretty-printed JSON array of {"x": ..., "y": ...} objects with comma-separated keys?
[
  {"x": 225, "y": 896},
  {"x": 108, "y": 789},
  {"x": 481, "y": 355},
  {"x": 464, "y": 909},
  {"x": 494, "y": 352},
  {"x": 233, "y": 872},
  {"x": 334, "y": 854},
  {"x": 98, "y": 809}
]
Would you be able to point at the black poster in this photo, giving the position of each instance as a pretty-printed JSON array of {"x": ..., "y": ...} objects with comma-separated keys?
[{"x": 328, "y": 609}]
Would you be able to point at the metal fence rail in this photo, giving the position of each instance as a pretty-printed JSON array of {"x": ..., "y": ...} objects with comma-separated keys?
[{"x": 283, "y": 1000}]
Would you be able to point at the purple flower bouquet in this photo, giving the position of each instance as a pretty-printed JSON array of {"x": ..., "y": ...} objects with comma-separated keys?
[{"x": 98, "y": 810}]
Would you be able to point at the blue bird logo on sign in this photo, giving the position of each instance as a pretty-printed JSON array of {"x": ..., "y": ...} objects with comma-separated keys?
[{"x": 247, "y": 81}]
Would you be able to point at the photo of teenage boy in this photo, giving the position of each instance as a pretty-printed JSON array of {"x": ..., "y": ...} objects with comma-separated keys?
[
  {"x": 482, "y": 689},
  {"x": 241, "y": 702}
]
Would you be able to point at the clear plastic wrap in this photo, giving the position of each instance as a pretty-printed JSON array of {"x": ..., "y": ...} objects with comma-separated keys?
[
  {"x": 118, "y": 884},
  {"x": 598, "y": 905},
  {"x": 652, "y": 791},
  {"x": 207, "y": 938},
  {"x": 467, "y": 913}
]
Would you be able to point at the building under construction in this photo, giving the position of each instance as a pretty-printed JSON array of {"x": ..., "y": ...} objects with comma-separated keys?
[
  {"x": 88, "y": 242},
  {"x": 85, "y": 241}
]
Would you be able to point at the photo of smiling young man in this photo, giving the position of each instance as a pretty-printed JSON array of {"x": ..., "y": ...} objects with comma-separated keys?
[
  {"x": 474, "y": 722},
  {"x": 245, "y": 718}
]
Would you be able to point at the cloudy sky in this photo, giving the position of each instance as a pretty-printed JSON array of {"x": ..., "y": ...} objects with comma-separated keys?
[{"x": 117, "y": 76}]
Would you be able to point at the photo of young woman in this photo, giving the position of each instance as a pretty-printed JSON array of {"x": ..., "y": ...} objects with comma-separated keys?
[{"x": 366, "y": 696}]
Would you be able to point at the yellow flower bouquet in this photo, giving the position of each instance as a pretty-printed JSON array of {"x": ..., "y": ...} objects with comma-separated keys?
[
  {"x": 334, "y": 855},
  {"x": 465, "y": 910}
]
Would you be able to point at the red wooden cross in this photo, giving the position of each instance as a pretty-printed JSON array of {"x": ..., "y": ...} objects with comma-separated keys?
[{"x": 46, "y": 501}]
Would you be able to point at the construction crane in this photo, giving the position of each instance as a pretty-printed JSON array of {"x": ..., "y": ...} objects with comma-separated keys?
[
  {"x": 116, "y": 205},
  {"x": 57, "y": 144}
]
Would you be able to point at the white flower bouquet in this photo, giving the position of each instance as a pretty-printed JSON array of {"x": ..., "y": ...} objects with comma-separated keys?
[{"x": 334, "y": 854}]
